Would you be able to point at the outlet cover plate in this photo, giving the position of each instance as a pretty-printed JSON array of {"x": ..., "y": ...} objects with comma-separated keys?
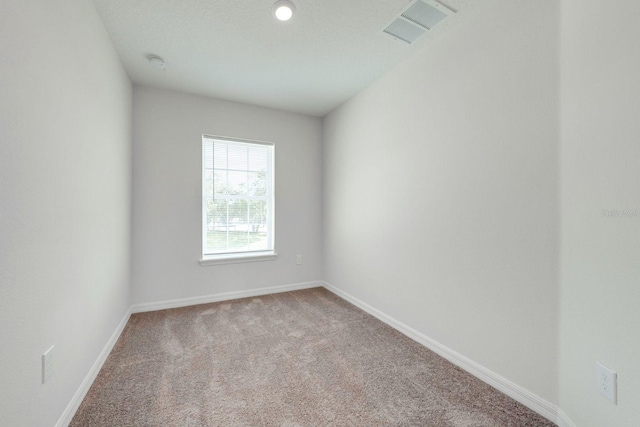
[{"x": 607, "y": 382}]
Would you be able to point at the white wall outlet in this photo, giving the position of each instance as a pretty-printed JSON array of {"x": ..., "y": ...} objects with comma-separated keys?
[
  {"x": 298, "y": 259},
  {"x": 47, "y": 365},
  {"x": 607, "y": 382}
]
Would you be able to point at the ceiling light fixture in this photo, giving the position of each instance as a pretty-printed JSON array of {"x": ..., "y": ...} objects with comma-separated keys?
[
  {"x": 283, "y": 10},
  {"x": 157, "y": 62}
]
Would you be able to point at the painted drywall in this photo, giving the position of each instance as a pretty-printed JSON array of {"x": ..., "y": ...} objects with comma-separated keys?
[
  {"x": 440, "y": 193},
  {"x": 600, "y": 315},
  {"x": 65, "y": 210},
  {"x": 168, "y": 128}
]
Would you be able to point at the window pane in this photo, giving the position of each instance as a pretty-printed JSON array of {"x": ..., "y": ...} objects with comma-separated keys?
[
  {"x": 237, "y": 157},
  {"x": 207, "y": 185},
  {"x": 258, "y": 224},
  {"x": 258, "y": 158},
  {"x": 219, "y": 156},
  {"x": 217, "y": 225},
  {"x": 238, "y": 213},
  {"x": 237, "y": 183},
  {"x": 238, "y": 224},
  {"x": 258, "y": 214},
  {"x": 257, "y": 184},
  {"x": 220, "y": 178},
  {"x": 208, "y": 154}
]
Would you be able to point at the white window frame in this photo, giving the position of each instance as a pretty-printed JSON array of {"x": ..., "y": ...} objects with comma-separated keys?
[{"x": 246, "y": 256}]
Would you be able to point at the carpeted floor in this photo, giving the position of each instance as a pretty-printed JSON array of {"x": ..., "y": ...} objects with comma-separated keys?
[{"x": 304, "y": 358}]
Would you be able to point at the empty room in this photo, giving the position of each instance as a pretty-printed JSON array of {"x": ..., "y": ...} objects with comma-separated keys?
[{"x": 313, "y": 213}]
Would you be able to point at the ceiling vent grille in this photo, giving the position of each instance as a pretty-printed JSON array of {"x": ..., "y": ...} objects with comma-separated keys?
[
  {"x": 417, "y": 19},
  {"x": 405, "y": 31}
]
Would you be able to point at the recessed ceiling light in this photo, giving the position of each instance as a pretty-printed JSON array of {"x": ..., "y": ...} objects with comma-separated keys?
[
  {"x": 157, "y": 62},
  {"x": 283, "y": 10}
]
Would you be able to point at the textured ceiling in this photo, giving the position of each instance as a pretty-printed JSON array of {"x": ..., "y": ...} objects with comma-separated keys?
[{"x": 236, "y": 50}]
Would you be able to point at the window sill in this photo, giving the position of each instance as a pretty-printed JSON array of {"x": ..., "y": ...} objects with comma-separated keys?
[{"x": 237, "y": 258}]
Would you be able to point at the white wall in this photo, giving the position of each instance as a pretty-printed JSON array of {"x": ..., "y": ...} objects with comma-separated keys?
[
  {"x": 441, "y": 193},
  {"x": 600, "y": 306},
  {"x": 65, "y": 184},
  {"x": 168, "y": 128}
]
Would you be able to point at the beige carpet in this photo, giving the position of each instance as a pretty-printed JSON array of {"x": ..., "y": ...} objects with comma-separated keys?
[{"x": 304, "y": 358}]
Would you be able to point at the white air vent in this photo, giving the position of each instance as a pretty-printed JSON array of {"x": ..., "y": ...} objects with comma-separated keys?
[
  {"x": 405, "y": 31},
  {"x": 424, "y": 15},
  {"x": 417, "y": 19}
]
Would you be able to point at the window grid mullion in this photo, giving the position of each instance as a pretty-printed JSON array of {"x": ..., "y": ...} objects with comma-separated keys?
[
  {"x": 247, "y": 204},
  {"x": 226, "y": 191}
]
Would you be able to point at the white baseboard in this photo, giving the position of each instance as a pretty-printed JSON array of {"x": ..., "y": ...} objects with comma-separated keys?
[
  {"x": 82, "y": 391},
  {"x": 206, "y": 299},
  {"x": 530, "y": 400},
  {"x": 564, "y": 420}
]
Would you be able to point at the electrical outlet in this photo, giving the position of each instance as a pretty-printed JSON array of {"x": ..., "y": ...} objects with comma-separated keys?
[
  {"x": 607, "y": 382},
  {"x": 298, "y": 259},
  {"x": 47, "y": 365}
]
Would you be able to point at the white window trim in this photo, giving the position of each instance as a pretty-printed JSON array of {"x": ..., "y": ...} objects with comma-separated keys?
[{"x": 240, "y": 257}]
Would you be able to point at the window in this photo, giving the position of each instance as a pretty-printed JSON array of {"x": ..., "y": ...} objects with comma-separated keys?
[{"x": 237, "y": 200}]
